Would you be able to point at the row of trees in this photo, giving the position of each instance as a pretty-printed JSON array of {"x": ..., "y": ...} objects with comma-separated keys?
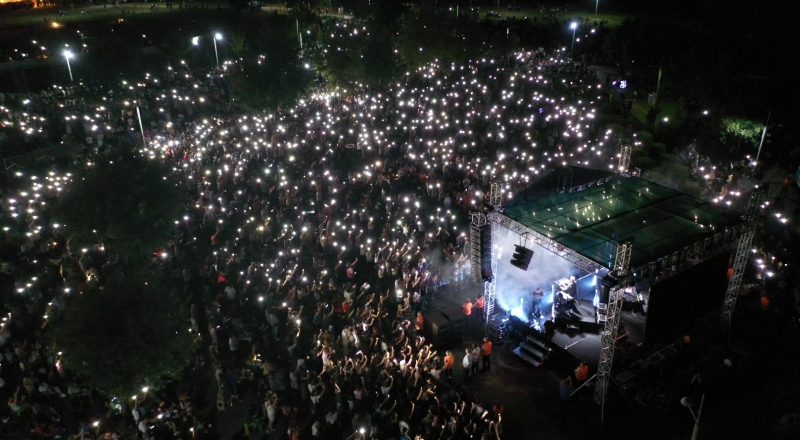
[{"x": 379, "y": 46}]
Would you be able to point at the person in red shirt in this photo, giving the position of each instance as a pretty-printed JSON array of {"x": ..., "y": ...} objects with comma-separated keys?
[
  {"x": 486, "y": 353},
  {"x": 419, "y": 322},
  {"x": 467, "y": 312},
  {"x": 582, "y": 372}
]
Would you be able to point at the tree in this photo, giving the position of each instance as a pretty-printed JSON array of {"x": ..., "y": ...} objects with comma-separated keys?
[
  {"x": 269, "y": 83},
  {"x": 124, "y": 201},
  {"x": 304, "y": 7},
  {"x": 276, "y": 77},
  {"x": 239, "y": 45},
  {"x": 124, "y": 335},
  {"x": 738, "y": 130}
]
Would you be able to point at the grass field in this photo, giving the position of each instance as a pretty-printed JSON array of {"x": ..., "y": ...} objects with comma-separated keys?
[
  {"x": 32, "y": 17},
  {"x": 127, "y": 11}
]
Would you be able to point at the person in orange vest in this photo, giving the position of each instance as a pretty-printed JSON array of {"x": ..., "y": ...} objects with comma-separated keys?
[
  {"x": 582, "y": 372},
  {"x": 467, "y": 312},
  {"x": 479, "y": 307},
  {"x": 419, "y": 322},
  {"x": 449, "y": 361},
  {"x": 486, "y": 353}
]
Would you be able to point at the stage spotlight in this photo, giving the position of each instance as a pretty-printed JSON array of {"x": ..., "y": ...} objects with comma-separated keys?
[{"x": 522, "y": 257}]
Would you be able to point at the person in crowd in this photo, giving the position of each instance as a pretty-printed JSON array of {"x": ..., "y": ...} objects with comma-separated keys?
[
  {"x": 486, "y": 354},
  {"x": 467, "y": 362},
  {"x": 467, "y": 312}
]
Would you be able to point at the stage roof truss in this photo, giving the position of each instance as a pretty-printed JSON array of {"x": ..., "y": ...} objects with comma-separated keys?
[
  {"x": 591, "y": 219},
  {"x": 545, "y": 242}
]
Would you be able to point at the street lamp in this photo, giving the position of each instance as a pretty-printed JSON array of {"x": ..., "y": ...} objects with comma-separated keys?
[
  {"x": 687, "y": 402},
  {"x": 67, "y": 56},
  {"x": 217, "y": 36},
  {"x": 574, "y": 27}
]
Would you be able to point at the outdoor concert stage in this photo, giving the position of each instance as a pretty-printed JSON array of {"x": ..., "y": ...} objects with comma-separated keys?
[{"x": 598, "y": 223}]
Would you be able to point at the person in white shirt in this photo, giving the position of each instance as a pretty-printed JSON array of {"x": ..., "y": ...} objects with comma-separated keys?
[
  {"x": 467, "y": 363},
  {"x": 230, "y": 291},
  {"x": 270, "y": 405}
]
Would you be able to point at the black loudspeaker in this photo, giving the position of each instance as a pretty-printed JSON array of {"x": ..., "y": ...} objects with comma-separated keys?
[
  {"x": 485, "y": 234},
  {"x": 606, "y": 284},
  {"x": 522, "y": 257},
  {"x": 604, "y": 292}
]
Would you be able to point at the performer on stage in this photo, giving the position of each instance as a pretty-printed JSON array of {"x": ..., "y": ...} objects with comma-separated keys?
[
  {"x": 538, "y": 294},
  {"x": 567, "y": 304},
  {"x": 572, "y": 290}
]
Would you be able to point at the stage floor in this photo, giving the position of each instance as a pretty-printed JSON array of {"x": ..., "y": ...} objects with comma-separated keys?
[
  {"x": 585, "y": 347},
  {"x": 579, "y": 346}
]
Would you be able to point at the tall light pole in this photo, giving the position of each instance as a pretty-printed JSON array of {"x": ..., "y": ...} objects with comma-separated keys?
[
  {"x": 687, "y": 402},
  {"x": 596, "y": 6},
  {"x": 217, "y": 36},
  {"x": 67, "y": 56},
  {"x": 574, "y": 27},
  {"x": 138, "y": 114}
]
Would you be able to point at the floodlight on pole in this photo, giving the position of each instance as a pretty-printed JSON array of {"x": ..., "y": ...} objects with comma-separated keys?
[
  {"x": 687, "y": 402},
  {"x": 67, "y": 56},
  {"x": 196, "y": 41},
  {"x": 574, "y": 27}
]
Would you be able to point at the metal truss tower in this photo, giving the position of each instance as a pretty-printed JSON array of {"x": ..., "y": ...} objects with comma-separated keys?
[
  {"x": 496, "y": 195},
  {"x": 608, "y": 338},
  {"x": 480, "y": 219},
  {"x": 490, "y": 285},
  {"x": 740, "y": 260},
  {"x": 625, "y": 159}
]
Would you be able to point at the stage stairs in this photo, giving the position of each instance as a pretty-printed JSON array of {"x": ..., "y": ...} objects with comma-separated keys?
[{"x": 532, "y": 351}]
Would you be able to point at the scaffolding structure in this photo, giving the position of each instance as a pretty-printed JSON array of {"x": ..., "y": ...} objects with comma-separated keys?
[
  {"x": 608, "y": 337},
  {"x": 496, "y": 195},
  {"x": 490, "y": 285},
  {"x": 625, "y": 159},
  {"x": 480, "y": 219},
  {"x": 740, "y": 261},
  {"x": 565, "y": 180}
]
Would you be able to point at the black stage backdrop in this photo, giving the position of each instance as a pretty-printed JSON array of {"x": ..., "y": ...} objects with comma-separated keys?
[{"x": 677, "y": 302}]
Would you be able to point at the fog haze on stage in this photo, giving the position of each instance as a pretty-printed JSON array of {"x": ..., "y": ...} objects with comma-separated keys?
[{"x": 514, "y": 284}]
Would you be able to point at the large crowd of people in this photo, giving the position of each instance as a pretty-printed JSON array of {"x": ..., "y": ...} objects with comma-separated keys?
[{"x": 312, "y": 239}]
